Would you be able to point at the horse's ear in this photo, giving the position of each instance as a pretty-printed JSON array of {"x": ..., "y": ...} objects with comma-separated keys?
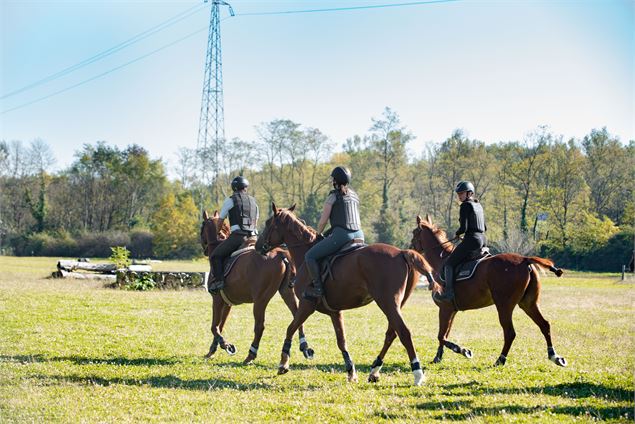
[
  {"x": 292, "y": 208},
  {"x": 428, "y": 219},
  {"x": 216, "y": 215},
  {"x": 418, "y": 219},
  {"x": 274, "y": 208},
  {"x": 205, "y": 216}
]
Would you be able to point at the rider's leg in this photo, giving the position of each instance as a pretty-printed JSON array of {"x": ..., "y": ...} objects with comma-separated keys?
[
  {"x": 338, "y": 238},
  {"x": 459, "y": 253},
  {"x": 224, "y": 250}
]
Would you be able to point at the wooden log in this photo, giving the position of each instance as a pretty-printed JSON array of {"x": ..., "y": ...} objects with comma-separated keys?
[
  {"x": 86, "y": 266},
  {"x": 83, "y": 276}
]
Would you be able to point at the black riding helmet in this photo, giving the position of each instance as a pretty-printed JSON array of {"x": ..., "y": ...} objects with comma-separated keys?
[
  {"x": 341, "y": 175},
  {"x": 464, "y": 186},
  {"x": 239, "y": 183}
]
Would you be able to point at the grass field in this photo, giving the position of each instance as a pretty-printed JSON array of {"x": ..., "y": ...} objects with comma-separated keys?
[{"x": 73, "y": 351}]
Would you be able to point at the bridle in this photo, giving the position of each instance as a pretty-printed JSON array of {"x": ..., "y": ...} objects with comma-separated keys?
[
  {"x": 207, "y": 245},
  {"x": 266, "y": 245},
  {"x": 440, "y": 244}
]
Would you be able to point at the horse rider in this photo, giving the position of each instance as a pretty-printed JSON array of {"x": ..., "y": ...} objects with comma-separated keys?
[
  {"x": 243, "y": 219},
  {"x": 342, "y": 210},
  {"x": 472, "y": 224}
]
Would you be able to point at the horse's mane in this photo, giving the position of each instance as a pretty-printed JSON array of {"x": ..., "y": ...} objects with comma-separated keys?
[
  {"x": 436, "y": 232},
  {"x": 296, "y": 227},
  {"x": 223, "y": 232}
]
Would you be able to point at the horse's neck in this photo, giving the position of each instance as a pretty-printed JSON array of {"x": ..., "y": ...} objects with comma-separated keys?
[
  {"x": 439, "y": 251},
  {"x": 297, "y": 253}
]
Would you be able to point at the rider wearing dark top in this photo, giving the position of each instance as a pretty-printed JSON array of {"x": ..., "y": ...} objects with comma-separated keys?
[
  {"x": 472, "y": 224},
  {"x": 342, "y": 210},
  {"x": 242, "y": 211}
]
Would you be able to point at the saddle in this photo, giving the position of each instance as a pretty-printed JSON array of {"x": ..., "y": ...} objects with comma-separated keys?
[
  {"x": 466, "y": 270},
  {"x": 326, "y": 264},
  {"x": 228, "y": 263}
]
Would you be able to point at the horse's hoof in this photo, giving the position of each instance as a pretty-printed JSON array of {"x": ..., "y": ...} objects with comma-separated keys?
[
  {"x": 372, "y": 378},
  {"x": 230, "y": 349},
  {"x": 308, "y": 353},
  {"x": 467, "y": 353},
  {"x": 419, "y": 376},
  {"x": 282, "y": 370},
  {"x": 436, "y": 360},
  {"x": 559, "y": 360},
  {"x": 352, "y": 378}
]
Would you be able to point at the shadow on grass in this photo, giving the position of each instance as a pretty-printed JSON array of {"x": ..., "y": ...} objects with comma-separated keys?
[
  {"x": 82, "y": 360},
  {"x": 165, "y": 382},
  {"x": 574, "y": 390},
  {"x": 463, "y": 410}
]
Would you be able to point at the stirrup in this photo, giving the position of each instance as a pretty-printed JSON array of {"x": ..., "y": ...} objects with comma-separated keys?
[
  {"x": 313, "y": 294},
  {"x": 443, "y": 297},
  {"x": 216, "y": 286}
]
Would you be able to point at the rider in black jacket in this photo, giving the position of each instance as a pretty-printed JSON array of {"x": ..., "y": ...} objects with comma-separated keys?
[{"x": 472, "y": 224}]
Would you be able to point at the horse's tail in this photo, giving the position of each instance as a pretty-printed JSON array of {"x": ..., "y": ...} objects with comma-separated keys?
[
  {"x": 545, "y": 263},
  {"x": 418, "y": 262},
  {"x": 286, "y": 277}
]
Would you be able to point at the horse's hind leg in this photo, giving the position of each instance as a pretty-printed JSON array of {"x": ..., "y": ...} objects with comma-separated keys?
[
  {"x": 304, "y": 311},
  {"x": 533, "y": 310},
  {"x": 290, "y": 299},
  {"x": 338, "y": 325},
  {"x": 395, "y": 320},
  {"x": 505, "y": 318},
  {"x": 390, "y": 337}
]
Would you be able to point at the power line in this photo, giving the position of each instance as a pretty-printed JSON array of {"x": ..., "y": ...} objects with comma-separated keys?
[
  {"x": 342, "y": 9},
  {"x": 416, "y": 3},
  {"x": 107, "y": 72},
  {"x": 141, "y": 36}
]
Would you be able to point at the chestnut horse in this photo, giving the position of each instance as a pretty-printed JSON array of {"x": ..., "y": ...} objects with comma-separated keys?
[
  {"x": 254, "y": 279},
  {"x": 504, "y": 280},
  {"x": 377, "y": 272}
]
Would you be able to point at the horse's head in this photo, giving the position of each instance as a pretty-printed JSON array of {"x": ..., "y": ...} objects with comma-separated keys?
[
  {"x": 427, "y": 235},
  {"x": 274, "y": 233},
  {"x": 213, "y": 231}
]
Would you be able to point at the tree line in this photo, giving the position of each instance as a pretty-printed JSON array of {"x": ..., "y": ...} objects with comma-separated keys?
[{"x": 570, "y": 199}]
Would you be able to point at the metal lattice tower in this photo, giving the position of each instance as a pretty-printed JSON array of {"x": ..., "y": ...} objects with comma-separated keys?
[{"x": 211, "y": 128}]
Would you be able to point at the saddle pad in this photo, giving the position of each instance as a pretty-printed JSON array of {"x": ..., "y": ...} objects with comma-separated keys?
[
  {"x": 327, "y": 263},
  {"x": 465, "y": 270},
  {"x": 229, "y": 263}
]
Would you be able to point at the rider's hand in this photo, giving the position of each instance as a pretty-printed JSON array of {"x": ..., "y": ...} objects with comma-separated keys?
[{"x": 319, "y": 237}]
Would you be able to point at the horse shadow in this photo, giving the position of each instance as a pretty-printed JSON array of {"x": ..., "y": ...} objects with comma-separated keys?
[
  {"x": 465, "y": 409},
  {"x": 84, "y": 360},
  {"x": 163, "y": 382}
]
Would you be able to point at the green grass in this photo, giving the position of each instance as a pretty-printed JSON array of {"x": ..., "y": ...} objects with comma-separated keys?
[{"x": 73, "y": 351}]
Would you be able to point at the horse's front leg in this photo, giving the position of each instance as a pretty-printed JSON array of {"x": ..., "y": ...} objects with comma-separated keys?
[
  {"x": 259, "y": 328},
  {"x": 390, "y": 337},
  {"x": 446, "y": 319},
  {"x": 291, "y": 300},
  {"x": 338, "y": 325},
  {"x": 220, "y": 311},
  {"x": 304, "y": 311}
]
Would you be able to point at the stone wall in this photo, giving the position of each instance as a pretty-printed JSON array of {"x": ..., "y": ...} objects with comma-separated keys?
[{"x": 162, "y": 280}]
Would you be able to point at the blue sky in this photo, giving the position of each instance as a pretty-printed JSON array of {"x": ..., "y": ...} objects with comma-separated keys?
[{"x": 497, "y": 69}]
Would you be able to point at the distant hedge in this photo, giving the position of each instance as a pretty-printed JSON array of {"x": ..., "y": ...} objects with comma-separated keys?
[
  {"x": 138, "y": 242},
  {"x": 608, "y": 258}
]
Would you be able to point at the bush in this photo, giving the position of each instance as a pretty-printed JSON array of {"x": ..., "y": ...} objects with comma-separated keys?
[
  {"x": 608, "y": 258},
  {"x": 141, "y": 244}
]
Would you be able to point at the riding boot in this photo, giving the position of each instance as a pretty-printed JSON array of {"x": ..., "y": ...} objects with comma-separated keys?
[
  {"x": 448, "y": 291},
  {"x": 219, "y": 280},
  {"x": 315, "y": 290}
]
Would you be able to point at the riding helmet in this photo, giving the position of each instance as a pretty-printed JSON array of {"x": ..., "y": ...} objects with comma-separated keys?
[
  {"x": 341, "y": 175},
  {"x": 239, "y": 183},
  {"x": 464, "y": 186}
]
